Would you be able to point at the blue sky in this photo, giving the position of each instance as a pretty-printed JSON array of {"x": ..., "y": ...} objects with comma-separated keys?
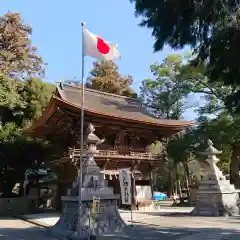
[{"x": 57, "y": 35}]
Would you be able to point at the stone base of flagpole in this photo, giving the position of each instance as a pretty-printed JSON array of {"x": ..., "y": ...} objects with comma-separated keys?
[{"x": 106, "y": 219}]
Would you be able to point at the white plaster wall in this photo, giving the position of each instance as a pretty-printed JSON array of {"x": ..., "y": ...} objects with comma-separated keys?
[{"x": 143, "y": 193}]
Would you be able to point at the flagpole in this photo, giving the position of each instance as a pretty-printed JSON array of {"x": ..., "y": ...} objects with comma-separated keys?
[{"x": 82, "y": 139}]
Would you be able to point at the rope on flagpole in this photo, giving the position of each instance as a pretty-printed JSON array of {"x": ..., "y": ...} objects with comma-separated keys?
[{"x": 82, "y": 133}]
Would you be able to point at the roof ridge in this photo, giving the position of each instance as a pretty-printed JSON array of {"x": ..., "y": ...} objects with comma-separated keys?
[{"x": 101, "y": 92}]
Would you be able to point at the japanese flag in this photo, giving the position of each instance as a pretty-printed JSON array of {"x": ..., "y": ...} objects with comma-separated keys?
[{"x": 96, "y": 47}]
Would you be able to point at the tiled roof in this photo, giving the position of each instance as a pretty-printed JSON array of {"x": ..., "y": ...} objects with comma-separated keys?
[{"x": 112, "y": 105}]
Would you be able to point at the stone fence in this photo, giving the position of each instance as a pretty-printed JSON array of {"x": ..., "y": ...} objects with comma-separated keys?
[{"x": 17, "y": 206}]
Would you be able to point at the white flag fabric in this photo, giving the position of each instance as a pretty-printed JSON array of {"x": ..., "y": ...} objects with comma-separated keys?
[
  {"x": 96, "y": 47},
  {"x": 126, "y": 186}
]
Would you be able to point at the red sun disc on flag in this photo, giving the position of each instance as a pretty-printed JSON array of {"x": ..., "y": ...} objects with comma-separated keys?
[{"x": 102, "y": 47}]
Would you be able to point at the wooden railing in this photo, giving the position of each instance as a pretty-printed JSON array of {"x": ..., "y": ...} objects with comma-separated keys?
[{"x": 118, "y": 152}]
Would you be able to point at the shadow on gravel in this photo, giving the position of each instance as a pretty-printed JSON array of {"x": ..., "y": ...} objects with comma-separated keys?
[
  {"x": 174, "y": 214},
  {"x": 29, "y": 233},
  {"x": 142, "y": 232},
  {"x": 146, "y": 232}
]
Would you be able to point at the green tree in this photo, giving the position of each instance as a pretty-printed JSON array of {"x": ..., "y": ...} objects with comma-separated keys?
[
  {"x": 28, "y": 97},
  {"x": 9, "y": 93},
  {"x": 214, "y": 94},
  {"x": 223, "y": 126},
  {"x": 224, "y": 131},
  {"x": 105, "y": 77},
  {"x": 36, "y": 95},
  {"x": 24, "y": 96},
  {"x": 180, "y": 150},
  {"x": 19, "y": 151},
  {"x": 165, "y": 96},
  {"x": 17, "y": 55},
  {"x": 211, "y": 28}
]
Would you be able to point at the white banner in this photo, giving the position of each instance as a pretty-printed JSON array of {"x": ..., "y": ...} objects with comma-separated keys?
[{"x": 126, "y": 186}]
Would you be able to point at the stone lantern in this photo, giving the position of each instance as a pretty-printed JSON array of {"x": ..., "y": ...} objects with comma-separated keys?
[
  {"x": 215, "y": 196},
  {"x": 92, "y": 141},
  {"x": 211, "y": 152}
]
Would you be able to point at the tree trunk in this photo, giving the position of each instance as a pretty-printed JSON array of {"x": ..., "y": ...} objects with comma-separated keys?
[
  {"x": 170, "y": 183},
  {"x": 187, "y": 177},
  {"x": 175, "y": 188},
  {"x": 179, "y": 190},
  {"x": 235, "y": 165}
]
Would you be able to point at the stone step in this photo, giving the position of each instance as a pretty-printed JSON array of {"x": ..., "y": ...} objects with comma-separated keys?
[
  {"x": 216, "y": 185},
  {"x": 217, "y": 182},
  {"x": 206, "y": 211},
  {"x": 221, "y": 188}
]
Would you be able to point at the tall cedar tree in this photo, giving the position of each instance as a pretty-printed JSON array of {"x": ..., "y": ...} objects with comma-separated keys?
[
  {"x": 17, "y": 150},
  {"x": 211, "y": 28},
  {"x": 105, "y": 77},
  {"x": 20, "y": 101},
  {"x": 17, "y": 55}
]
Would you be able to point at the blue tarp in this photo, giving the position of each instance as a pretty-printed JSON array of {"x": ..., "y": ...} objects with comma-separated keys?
[{"x": 158, "y": 196}]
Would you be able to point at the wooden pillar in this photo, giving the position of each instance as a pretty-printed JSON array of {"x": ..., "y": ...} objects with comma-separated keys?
[
  {"x": 104, "y": 181},
  {"x": 134, "y": 202},
  {"x": 134, "y": 192}
]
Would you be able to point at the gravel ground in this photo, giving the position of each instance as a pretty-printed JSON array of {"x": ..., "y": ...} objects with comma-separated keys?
[{"x": 152, "y": 228}]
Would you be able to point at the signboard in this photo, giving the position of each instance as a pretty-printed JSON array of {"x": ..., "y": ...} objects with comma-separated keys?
[
  {"x": 96, "y": 205},
  {"x": 126, "y": 186}
]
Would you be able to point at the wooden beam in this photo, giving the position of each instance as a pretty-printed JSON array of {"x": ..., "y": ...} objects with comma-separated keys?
[
  {"x": 106, "y": 163},
  {"x": 102, "y": 120}
]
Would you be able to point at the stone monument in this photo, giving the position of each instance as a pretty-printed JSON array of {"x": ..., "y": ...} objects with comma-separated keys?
[
  {"x": 107, "y": 220},
  {"x": 215, "y": 196}
]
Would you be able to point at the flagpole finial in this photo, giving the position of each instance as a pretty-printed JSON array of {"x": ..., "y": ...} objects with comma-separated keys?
[{"x": 83, "y": 24}]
